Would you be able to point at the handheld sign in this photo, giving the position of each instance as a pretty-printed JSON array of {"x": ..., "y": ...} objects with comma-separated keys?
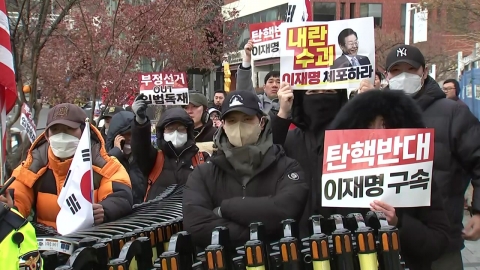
[
  {"x": 164, "y": 88},
  {"x": 390, "y": 165}
]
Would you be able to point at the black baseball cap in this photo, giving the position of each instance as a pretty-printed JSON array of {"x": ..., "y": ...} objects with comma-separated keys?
[
  {"x": 405, "y": 54},
  {"x": 241, "y": 101},
  {"x": 111, "y": 111}
]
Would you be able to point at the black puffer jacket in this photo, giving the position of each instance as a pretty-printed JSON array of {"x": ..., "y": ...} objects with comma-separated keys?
[
  {"x": 205, "y": 133},
  {"x": 423, "y": 230},
  {"x": 178, "y": 162},
  {"x": 271, "y": 191},
  {"x": 305, "y": 146},
  {"x": 120, "y": 124},
  {"x": 457, "y": 152}
]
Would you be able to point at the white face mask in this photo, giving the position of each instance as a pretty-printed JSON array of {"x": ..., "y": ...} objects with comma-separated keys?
[
  {"x": 407, "y": 82},
  {"x": 127, "y": 149},
  {"x": 63, "y": 145},
  {"x": 178, "y": 139}
]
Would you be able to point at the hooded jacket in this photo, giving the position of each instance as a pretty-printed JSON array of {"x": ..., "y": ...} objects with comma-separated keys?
[
  {"x": 457, "y": 90},
  {"x": 41, "y": 176},
  {"x": 120, "y": 124},
  {"x": 108, "y": 112},
  {"x": 457, "y": 153},
  {"x": 423, "y": 231},
  {"x": 206, "y": 132},
  {"x": 255, "y": 183},
  {"x": 178, "y": 162},
  {"x": 306, "y": 146}
]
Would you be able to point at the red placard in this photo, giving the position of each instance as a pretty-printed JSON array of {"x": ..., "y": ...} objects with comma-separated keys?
[
  {"x": 360, "y": 149},
  {"x": 265, "y": 31},
  {"x": 174, "y": 79}
]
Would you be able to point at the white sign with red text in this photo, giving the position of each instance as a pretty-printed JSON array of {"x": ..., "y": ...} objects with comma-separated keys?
[
  {"x": 164, "y": 88},
  {"x": 266, "y": 38},
  {"x": 389, "y": 165},
  {"x": 327, "y": 55},
  {"x": 26, "y": 121}
]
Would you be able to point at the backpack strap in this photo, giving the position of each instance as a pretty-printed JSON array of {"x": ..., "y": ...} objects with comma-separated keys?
[
  {"x": 155, "y": 172},
  {"x": 158, "y": 167}
]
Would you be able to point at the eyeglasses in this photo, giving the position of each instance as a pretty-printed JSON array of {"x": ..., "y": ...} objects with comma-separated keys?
[
  {"x": 170, "y": 129},
  {"x": 448, "y": 89}
]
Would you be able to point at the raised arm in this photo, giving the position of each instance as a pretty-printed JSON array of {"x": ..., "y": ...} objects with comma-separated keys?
[
  {"x": 244, "y": 72},
  {"x": 142, "y": 149},
  {"x": 281, "y": 122}
]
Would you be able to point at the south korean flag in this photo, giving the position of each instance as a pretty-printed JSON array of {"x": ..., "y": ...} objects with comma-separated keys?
[
  {"x": 298, "y": 11},
  {"x": 76, "y": 197}
]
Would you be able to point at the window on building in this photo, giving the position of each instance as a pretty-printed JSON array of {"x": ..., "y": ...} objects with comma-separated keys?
[
  {"x": 146, "y": 64},
  {"x": 342, "y": 11},
  {"x": 403, "y": 16},
  {"x": 352, "y": 10},
  {"x": 324, "y": 11},
  {"x": 372, "y": 10}
]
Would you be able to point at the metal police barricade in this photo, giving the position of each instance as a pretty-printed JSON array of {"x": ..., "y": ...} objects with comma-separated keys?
[
  {"x": 152, "y": 238},
  {"x": 337, "y": 242},
  {"x": 132, "y": 242}
]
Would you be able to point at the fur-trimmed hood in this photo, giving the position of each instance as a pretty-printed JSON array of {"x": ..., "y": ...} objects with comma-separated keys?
[{"x": 398, "y": 110}]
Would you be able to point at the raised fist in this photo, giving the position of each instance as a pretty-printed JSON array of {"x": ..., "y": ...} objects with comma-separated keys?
[{"x": 139, "y": 108}]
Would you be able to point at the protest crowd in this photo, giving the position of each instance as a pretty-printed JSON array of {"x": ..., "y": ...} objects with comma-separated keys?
[{"x": 306, "y": 175}]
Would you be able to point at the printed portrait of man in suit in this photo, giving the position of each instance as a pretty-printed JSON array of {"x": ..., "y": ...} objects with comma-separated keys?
[{"x": 348, "y": 42}]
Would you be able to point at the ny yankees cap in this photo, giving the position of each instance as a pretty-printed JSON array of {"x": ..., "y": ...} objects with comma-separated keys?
[
  {"x": 241, "y": 101},
  {"x": 405, "y": 54}
]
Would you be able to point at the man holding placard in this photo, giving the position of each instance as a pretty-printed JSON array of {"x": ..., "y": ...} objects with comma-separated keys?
[
  {"x": 375, "y": 160},
  {"x": 457, "y": 148},
  {"x": 268, "y": 100}
]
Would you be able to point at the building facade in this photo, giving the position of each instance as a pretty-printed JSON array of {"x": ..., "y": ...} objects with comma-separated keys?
[{"x": 388, "y": 15}]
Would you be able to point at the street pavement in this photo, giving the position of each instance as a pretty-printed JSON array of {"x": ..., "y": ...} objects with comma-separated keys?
[{"x": 471, "y": 252}]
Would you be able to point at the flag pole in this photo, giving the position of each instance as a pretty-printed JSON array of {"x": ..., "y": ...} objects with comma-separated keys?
[{"x": 87, "y": 125}]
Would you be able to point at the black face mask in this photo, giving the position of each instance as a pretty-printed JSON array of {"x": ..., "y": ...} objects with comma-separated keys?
[{"x": 320, "y": 109}]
